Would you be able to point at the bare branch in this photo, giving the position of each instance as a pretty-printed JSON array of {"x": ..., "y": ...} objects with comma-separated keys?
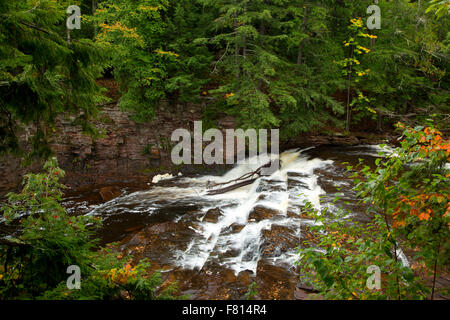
[
  {"x": 35, "y": 27},
  {"x": 35, "y": 7}
]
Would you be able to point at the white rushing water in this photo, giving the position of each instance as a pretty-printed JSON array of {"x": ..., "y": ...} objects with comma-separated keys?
[{"x": 271, "y": 192}]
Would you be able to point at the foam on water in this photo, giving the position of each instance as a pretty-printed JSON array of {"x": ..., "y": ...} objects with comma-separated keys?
[{"x": 269, "y": 192}]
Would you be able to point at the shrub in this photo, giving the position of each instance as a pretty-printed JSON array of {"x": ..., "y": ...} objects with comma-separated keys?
[
  {"x": 113, "y": 277},
  {"x": 48, "y": 239},
  {"x": 35, "y": 259},
  {"x": 336, "y": 261},
  {"x": 408, "y": 195}
]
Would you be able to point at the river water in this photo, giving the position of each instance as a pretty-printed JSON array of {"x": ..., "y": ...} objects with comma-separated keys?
[{"x": 214, "y": 246}]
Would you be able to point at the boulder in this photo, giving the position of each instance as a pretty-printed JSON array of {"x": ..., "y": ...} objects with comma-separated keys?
[
  {"x": 236, "y": 227},
  {"x": 212, "y": 215}
]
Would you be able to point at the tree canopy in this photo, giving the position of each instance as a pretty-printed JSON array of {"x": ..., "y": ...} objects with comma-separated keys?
[{"x": 297, "y": 65}]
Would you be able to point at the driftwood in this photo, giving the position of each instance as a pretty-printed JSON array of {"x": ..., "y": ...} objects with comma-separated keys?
[
  {"x": 230, "y": 188},
  {"x": 242, "y": 181}
]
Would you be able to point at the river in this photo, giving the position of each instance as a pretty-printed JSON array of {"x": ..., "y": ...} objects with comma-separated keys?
[{"x": 215, "y": 246}]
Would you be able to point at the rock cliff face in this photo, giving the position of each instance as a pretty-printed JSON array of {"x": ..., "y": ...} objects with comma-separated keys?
[{"x": 126, "y": 151}]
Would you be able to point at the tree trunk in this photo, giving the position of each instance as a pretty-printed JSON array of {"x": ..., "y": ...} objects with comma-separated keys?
[
  {"x": 232, "y": 187},
  {"x": 236, "y": 46},
  {"x": 347, "y": 125},
  {"x": 262, "y": 32},
  {"x": 236, "y": 52},
  {"x": 244, "y": 44},
  {"x": 302, "y": 42},
  {"x": 379, "y": 121}
]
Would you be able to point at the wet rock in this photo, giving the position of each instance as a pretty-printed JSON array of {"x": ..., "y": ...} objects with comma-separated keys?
[
  {"x": 133, "y": 229},
  {"x": 133, "y": 242},
  {"x": 298, "y": 175},
  {"x": 307, "y": 237},
  {"x": 262, "y": 196},
  {"x": 296, "y": 183},
  {"x": 162, "y": 228},
  {"x": 278, "y": 240},
  {"x": 329, "y": 180},
  {"x": 216, "y": 282},
  {"x": 300, "y": 294},
  {"x": 231, "y": 253},
  {"x": 236, "y": 227},
  {"x": 212, "y": 215},
  {"x": 245, "y": 277},
  {"x": 306, "y": 287},
  {"x": 229, "y": 276},
  {"x": 271, "y": 186},
  {"x": 275, "y": 282},
  {"x": 344, "y": 140},
  {"x": 136, "y": 240},
  {"x": 292, "y": 214},
  {"x": 109, "y": 193},
  {"x": 260, "y": 213},
  {"x": 158, "y": 241}
]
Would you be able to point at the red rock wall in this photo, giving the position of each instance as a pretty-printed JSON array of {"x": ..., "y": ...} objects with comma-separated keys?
[{"x": 118, "y": 155}]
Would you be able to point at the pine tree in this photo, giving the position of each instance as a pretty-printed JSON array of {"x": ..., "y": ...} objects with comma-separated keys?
[
  {"x": 311, "y": 77},
  {"x": 189, "y": 23}
]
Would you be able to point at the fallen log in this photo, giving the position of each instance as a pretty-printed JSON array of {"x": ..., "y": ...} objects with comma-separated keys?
[
  {"x": 247, "y": 175},
  {"x": 242, "y": 181},
  {"x": 232, "y": 187}
]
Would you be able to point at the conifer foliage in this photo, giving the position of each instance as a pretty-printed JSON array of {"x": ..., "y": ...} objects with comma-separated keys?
[
  {"x": 297, "y": 65},
  {"x": 41, "y": 74}
]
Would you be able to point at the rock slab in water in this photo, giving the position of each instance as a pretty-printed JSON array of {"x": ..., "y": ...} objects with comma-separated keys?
[
  {"x": 260, "y": 213},
  {"x": 164, "y": 227},
  {"x": 275, "y": 282}
]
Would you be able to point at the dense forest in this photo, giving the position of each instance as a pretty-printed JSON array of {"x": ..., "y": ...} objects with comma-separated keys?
[
  {"x": 300, "y": 66},
  {"x": 294, "y": 65}
]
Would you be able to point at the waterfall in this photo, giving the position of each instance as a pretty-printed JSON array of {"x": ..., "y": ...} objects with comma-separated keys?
[
  {"x": 272, "y": 193},
  {"x": 232, "y": 230}
]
